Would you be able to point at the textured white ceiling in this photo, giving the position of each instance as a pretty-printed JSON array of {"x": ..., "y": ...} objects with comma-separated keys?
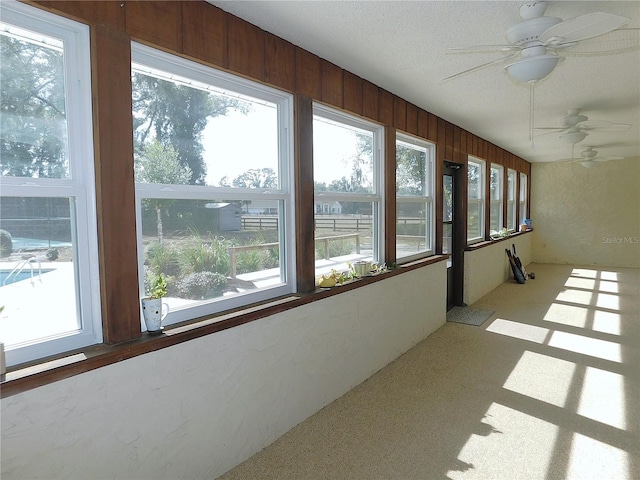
[{"x": 402, "y": 46}]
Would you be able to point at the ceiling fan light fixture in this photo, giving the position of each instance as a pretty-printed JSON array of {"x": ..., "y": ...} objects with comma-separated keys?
[
  {"x": 532, "y": 69},
  {"x": 573, "y": 137},
  {"x": 588, "y": 163}
]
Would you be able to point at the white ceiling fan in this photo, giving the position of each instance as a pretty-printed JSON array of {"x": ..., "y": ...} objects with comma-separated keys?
[
  {"x": 576, "y": 127},
  {"x": 539, "y": 41},
  {"x": 590, "y": 158}
]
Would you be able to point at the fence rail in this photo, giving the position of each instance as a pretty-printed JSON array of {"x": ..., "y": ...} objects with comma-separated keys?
[{"x": 233, "y": 251}]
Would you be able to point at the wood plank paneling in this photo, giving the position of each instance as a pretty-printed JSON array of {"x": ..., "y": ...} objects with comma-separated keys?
[
  {"x": 370, "y": 101},
  {"x": 412, "y": 119},
  {"x": 115, "y": 187},
  {"x": 199, "y": 17},
  {"x": 308, "y": 74},
  {"x": 448, "y": 151},
  {"x": 399, "y": 113},
  {"x": 332, "y": 84},
  {"x": 385, "y": 114},
  {"x": 433, "y": 128},
  {"x": 423, "y": 124},
  {"x": 353, "y": 92},
  {"x": 245, "y": 48},
  {"x": 159, "y": 23},
  {"x": 279, "y": 62},
  {"x": 91, "y": 12},
  {"x": 304, "y": 214}
]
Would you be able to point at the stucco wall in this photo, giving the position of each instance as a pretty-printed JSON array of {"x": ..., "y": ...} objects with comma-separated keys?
[
  {"x": 586, "y": 216},
  {"x": 197, "y": 409},
  {"x": 488, "y": 267}
]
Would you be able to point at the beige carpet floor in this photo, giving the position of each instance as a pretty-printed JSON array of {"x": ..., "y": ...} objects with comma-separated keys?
[{"x": 547, "y": 388}]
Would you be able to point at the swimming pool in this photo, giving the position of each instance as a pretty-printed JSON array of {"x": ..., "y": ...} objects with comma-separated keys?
[{"x": 23, "y": 275}]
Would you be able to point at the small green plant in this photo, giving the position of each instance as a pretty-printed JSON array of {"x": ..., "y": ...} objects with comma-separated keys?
[
  {"x": 53, "y": 254},
  {"x": 158, "y": 288},
  {"x": 6, "y": 243},
  {"x": 202, "y": 285}
]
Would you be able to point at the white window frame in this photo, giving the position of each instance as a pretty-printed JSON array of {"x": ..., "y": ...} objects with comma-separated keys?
[
  {"x": 479, "y": 202},
  {"x": 500, "y": 200},
  {"x": 377, "y": 196},
  {"x": 204, "y": 76},
  {"x": 80, "y": 185},
  {"x": 523, "y": 197},
  {"x": 512, "y": 181},
  {"x": 422, "y": 199}
]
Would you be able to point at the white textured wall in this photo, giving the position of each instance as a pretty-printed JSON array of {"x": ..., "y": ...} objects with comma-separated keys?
[
  {"x": 197, "y": 409},
  {"x": 586, "y": 216},
  {"x": 488, "y": 267}
]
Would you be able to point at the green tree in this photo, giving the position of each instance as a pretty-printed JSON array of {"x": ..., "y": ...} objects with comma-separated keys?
[
  {"x": 411, "y": 174},
  {"x": 256, "y": 178},
  {"x": 177, "y": 114},
  {"x": 158, "y": 163},
  {"x": 33, "y": 129}
]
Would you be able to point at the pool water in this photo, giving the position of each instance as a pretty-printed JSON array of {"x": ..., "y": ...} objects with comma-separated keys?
[{"x": 24, "y": 275}]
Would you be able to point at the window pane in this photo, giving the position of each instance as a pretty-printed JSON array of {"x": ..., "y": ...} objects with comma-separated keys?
[
  {"x": 33, "y": 130},
  {"x": 342, "y": 157},
  {"x": 511, "y": 200},
  {"x": 198, "y": 136},
  {"x": 411, "y": 170},
  {"x": 38, "y": 277},
  {"x": 474, "y": 220},
  {"x": 344, "y": 231},
  {"x": 413, "y": 228},
  {"x": 209, "y": 250}
]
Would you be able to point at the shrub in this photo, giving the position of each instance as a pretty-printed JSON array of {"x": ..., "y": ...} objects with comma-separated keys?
[
  {"x": 53, "y": 254},
  {"x": 201, "y": 285},
  {"x": 6, "y": 243},
  {"x": 163, "y": 258},
  {"x": 210, "y": 255}
]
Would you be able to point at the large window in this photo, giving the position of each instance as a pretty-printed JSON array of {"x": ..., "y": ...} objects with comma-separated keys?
[
  {"x": 476, "y": 195},
  {"x": 523, "y": 197},
  {"x": 49, "y": 290},
  {"x": 213, "y": 183},
  {"x": 496, "y": 198},
  {"x": 511, "y": 199},
  {"x": 347, "y": 189},
  {"x": 414, "y": 197}
]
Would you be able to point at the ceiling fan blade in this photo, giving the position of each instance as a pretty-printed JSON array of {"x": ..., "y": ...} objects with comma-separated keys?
[
  {"x": 606, "y": 158},
  {"x": 479, "y": 67},
  {"x": 582, "y": 27},
  {"x": 484, "y": 48},
  {"x": 618, "y": 41},
  {"x": 604, "y": 126}
]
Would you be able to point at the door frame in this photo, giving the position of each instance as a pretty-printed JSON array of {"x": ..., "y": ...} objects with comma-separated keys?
[{"x": 459, "y": 173}]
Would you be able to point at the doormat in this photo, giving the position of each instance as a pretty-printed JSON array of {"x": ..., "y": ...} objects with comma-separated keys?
[{"x": 468, "y": 316}]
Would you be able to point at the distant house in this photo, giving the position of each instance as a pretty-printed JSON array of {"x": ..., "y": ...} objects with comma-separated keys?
[
  {"x": 261, "y": 207},
  {"x": 328, "y": 208},
  {"x": 226, "y": 216}
]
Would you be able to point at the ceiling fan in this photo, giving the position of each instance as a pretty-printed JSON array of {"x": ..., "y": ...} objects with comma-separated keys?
[
  {"x": 590, "y": 158},
  {"x": 576, "y": 127},
  {"x": 538, "y": 40}
]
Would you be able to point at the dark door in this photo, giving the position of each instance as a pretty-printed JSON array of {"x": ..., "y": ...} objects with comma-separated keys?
[{"x": 452, "y": 231}]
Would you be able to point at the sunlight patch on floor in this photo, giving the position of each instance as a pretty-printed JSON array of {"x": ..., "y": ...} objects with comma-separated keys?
[
  {"x": 587, "y": 346},
  {"x": 542, "y": 377},
  {"x": 519, "y": 330},
  {"x": 514, "y": 434},
  {"x": 607, "y": 322},
  {"x": 582, "y": 317},
  {"x": 591, "y": 459},
  {"x": 602, "y": 397}
]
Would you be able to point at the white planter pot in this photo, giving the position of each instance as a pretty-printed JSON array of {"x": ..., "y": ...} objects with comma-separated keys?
[{"x": 153, "y": 311}]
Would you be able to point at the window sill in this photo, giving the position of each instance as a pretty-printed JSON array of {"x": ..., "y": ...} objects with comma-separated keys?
[
  {"x": 486, "y": 243},
  {"x": 28, "y": 376}
]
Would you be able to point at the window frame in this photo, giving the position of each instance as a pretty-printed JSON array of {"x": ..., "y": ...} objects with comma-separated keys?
[
  {"x": 284, "y": 194},
  {"x": 377, "y": 197},
  {"x": 427, "y": 199},
  {"x": 523, "y": 197},
  {"x": 512, "y": 184},
  {"x": 480, "y": 201},
  {"x": 500, "y": 200},
  {"x": 79, "y": 185}
]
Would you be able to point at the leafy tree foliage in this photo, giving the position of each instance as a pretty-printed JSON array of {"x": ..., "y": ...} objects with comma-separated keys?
[
  {"x": 33, "y": 138},
  {"x": 411, "y": 174},
  {"x": 253, "y": 178},
  {"x": 177, "y": 114}
]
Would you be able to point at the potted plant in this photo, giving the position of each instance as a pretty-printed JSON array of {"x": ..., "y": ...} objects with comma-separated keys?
[{"x": 154, "y": 310}]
